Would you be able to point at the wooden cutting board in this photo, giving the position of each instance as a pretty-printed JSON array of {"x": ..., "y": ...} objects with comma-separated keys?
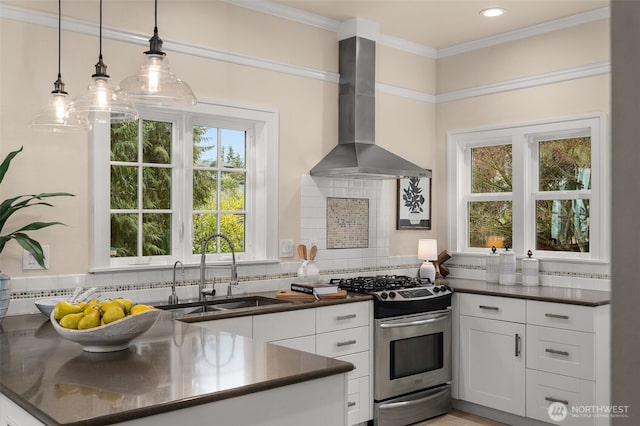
[{"x": 304, "y": 297}]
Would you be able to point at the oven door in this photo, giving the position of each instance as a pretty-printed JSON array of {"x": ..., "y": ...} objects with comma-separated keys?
[{"x": 412, "y": 353}]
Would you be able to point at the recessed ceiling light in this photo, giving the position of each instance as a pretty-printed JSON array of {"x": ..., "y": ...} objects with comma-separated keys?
[{"x": 492, "y": 12}]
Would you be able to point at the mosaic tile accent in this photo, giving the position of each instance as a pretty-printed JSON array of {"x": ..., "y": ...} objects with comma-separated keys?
[{"x": 347, "y": 223}]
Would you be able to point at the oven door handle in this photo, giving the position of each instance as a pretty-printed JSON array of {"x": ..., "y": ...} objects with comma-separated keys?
[
  {"x": 391, "y": 405},
  {"x": 433, "y": 319}
]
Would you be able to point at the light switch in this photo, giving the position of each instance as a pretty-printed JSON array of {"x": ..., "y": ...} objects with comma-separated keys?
[
  {"x": 286, "y": 248},
  {"x": 30, "y": 263}
]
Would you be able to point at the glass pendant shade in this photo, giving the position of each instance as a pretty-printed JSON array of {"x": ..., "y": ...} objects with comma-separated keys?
[
  {"x": 102, "y": 103},
  {"x": 155, "y": 84},
  {"x": 56, "y": 116}
]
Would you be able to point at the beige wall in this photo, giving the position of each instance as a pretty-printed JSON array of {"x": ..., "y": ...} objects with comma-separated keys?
[{"x": 307, "y": 107}]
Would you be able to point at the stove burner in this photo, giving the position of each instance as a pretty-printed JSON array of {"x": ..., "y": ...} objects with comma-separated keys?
[{"x": 379, "y": 283}]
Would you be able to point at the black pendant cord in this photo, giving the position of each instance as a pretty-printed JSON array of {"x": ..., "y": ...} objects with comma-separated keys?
[
  {"x": 155, "y": 42},
  {"x": 58, "y": 85},
  {"x": 101, "y": 68}
]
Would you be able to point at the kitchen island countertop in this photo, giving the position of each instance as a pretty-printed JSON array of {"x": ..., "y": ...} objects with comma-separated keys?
[{"x": 174, "y": 365}]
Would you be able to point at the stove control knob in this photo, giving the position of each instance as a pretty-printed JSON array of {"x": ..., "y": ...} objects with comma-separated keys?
[
  {"x": 383, "y": 295},
  {"x": 447, "y": 288},
  {"x": 436, "y": 289},
  {"x": 392, "y": 294}
]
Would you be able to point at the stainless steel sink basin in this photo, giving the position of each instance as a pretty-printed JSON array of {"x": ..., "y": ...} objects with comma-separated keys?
[{"x": 250, "y": 302}]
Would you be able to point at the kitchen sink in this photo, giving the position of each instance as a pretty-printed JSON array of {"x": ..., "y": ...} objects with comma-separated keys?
[{"x": 224, "y": 305}]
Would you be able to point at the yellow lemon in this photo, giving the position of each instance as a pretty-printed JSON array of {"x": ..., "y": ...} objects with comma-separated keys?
[
  {"x": 140, "y": 308},
  {"x": 114, "y": 313},
  {"x": 71, "y": 320}
]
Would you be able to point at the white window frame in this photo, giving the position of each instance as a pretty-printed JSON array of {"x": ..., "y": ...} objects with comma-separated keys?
[
  {"x": 524, "y": 137},
  {"x": 261, "y": 226}
]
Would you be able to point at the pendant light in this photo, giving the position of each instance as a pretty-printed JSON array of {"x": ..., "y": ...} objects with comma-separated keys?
[
  {"x": 103, "y": 103},
  {"x": 55, "y": 115},
  {"x": 155, "y": 84}
]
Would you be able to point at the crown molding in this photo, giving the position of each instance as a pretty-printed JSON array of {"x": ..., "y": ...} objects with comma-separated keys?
[
  {"x": 585, "y": 71},
  {"x": 533, "y": 30},
  {"x": 406, "y": 93},
  {"x": 91, "y": 29}
]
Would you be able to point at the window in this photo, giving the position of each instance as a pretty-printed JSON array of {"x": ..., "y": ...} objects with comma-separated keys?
[
  {"x": 164, "y": 183},
  {"x": 534, "y": 187}
]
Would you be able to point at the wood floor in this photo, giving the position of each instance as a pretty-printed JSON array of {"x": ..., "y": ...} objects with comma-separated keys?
[{"x": 459, "y": 418}]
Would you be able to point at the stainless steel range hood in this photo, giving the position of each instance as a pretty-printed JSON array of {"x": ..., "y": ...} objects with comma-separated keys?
[{"x": 357, "y": 155}]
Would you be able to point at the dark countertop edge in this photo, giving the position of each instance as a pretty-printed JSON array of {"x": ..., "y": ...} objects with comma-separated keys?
[
  {"x": 284, "y": 307},
  {"x": 20, "y": 402},
  {"x": 339, "y": 368},
  {"x": 458, "y": 286}
]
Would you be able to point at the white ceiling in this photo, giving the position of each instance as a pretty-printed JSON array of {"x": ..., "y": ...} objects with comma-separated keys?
[{"x": 445, "y": 23}]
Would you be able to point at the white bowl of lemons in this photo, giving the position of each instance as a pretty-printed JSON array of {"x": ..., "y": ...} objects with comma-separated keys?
[{"x": 110, "y": 331}]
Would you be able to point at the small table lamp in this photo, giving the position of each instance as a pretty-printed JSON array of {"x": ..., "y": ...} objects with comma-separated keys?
[{"x": 428, "y": 251}]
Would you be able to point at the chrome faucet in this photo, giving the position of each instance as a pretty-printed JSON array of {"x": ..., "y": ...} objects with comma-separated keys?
[
  {"x": 173, "y": 299},
  {"x": 203, "y": 267}
]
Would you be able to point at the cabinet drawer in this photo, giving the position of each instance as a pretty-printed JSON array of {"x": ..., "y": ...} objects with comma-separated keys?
[
  {"x": 284, "y": 325},
  {"x": 340, "y": 317},
  {"x": 343, "y": 342},
  {"x": 359, "y": 405},
  {"x": 543, "y": 389},
  {"x": 360, "y": 363},
  {"x": 492, "y": 307},
  {"x": 566, "y": 352},
  {"x": 561, "y": 315}
]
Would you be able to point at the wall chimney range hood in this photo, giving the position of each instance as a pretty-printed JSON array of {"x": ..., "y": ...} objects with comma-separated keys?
[{"x": 357, "y": 155}]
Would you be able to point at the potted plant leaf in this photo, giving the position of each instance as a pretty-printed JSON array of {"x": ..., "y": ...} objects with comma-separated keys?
[
  {"x": 8, "y": 208},
  {"x": 413, "y": 200}
]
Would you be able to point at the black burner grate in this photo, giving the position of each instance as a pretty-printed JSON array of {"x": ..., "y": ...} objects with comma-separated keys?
[{"x": 379, "y": 283}]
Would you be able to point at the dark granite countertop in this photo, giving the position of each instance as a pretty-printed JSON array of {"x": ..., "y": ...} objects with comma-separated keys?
[
  {"x": 571, "y": 296},
  {"x": 174, "y": 365}
]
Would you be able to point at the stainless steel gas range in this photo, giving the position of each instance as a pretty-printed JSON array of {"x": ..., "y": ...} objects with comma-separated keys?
[{"x": 412, "y": 347}]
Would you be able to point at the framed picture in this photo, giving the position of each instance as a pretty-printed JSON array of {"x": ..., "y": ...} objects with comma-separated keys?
[{"x": 414, "y": 203}]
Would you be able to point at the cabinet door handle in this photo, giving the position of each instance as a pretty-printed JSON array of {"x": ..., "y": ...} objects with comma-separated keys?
[
  {"x": 552, "y": 399},
  {"x": 351, "y": 404},
  {"x": 491, "y": 308},
  {"x": 548, "y": 315},
  {"x": 345, "y": 317},
  {"x": 347, "y": 343},
  {"x": 556, "y": 352},
  {"x": 517, "y": 342}
]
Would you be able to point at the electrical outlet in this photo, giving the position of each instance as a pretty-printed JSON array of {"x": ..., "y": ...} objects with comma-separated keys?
[
  {"x": 30, "y": 263},
  {"x": 286, "y": 248}
]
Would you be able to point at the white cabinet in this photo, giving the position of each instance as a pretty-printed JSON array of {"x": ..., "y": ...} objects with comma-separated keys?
[
  {"x": 13, "y": 415},
  {"x": 344, "y": 332},
  {"x": 520, "y": 356},
  {"x": 492, "y": 366},
  {"x": 341, "y": 331},
  {"x": 567, "y": 359}
]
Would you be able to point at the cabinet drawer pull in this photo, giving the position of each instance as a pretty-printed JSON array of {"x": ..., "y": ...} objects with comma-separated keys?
[
  {"x": 345, "y": 317},
  {"x": 347, "y": 343},
  {"x": 491, "y": 308},
  {"x": 556, "y": 352},
  {"x": 517, "y": 341},
  {"x": 552, "y": 399},
  {"x": 351, "y": 404},
  {"x": 548, "y": 315}
]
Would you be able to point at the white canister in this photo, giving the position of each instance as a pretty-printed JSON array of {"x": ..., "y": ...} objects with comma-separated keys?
[
  {"x": 493, "y": 266},
  {"x": 530, "y": 268},
  {"x": 507, "y": 267}
]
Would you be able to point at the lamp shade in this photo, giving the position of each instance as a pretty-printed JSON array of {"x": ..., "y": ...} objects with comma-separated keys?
[
  {"x": 428, "y": 249},
  {"x": 56, "y": 117},
  {"x": 155, "y": 84},
  {"x": 103, "y": 103}
]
